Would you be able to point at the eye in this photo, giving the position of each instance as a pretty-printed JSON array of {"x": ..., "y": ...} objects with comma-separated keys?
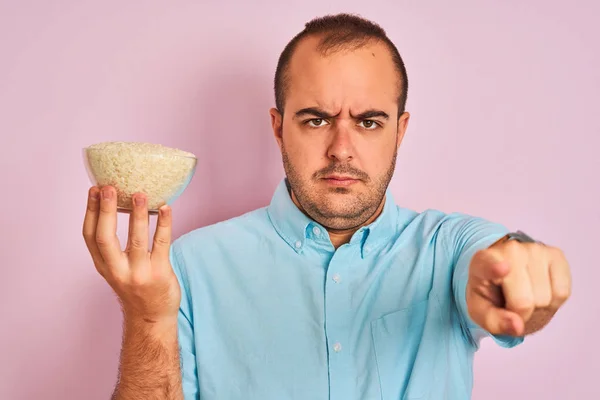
[
  {"x": 369, "y": 124},
  {"x": 316, "y": 122}
]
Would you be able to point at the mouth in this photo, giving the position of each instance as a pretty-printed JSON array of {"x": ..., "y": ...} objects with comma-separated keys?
[{"x": 340, "y": 180}]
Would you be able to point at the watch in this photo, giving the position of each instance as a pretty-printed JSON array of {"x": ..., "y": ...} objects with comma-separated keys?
[{"x": 519, "y": 236}]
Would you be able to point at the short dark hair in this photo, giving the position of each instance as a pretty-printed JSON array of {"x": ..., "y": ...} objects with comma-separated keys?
[{"x": 340, "y": 31}]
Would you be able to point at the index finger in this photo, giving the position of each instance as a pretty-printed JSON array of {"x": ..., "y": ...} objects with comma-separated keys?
[
  {"x": 90, "y": 222},
  {"x": 516, "y": 286},
  {"x": 106, "y": 231},
  {"x": 489, "y": 265}
]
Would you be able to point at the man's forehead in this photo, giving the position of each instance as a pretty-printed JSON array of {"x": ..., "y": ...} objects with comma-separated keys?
[
  {"x": 357, "y": 77},
  {"x": 324, "y": 46},
  {"x": 310, "y": 49}
]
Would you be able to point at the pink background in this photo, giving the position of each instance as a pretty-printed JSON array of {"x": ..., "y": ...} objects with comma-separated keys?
[{"x": 504, "y": 99}]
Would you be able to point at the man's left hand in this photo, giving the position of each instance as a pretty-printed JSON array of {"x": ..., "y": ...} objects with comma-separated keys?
[{"x": 516, "y": 288}]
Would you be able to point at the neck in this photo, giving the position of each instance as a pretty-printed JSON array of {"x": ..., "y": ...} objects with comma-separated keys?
[{"x": 339, "y": 237}]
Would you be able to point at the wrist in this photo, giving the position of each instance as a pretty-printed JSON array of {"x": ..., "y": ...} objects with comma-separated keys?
[{"x": 164, "y": 328}]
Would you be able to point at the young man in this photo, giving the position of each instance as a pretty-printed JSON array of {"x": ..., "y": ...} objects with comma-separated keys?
[{"x": 332, "y": 291}]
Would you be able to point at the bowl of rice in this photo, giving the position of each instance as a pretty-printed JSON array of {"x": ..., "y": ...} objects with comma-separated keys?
[{"x": 162, "y": 173}]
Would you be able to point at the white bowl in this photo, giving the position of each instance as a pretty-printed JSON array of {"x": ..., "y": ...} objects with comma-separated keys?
[{"x": 161, "y": 173}]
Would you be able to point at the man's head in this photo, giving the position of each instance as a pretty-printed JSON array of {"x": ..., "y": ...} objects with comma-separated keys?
[{"x": 340, "y": 90}]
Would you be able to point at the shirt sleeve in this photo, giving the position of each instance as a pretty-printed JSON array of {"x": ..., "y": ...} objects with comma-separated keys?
[
  {"x": 185, "y": 326},
  {"x": 465, "y": 237}
]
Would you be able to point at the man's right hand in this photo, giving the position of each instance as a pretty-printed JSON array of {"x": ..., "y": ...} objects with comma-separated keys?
[
  {"x": 143, "y": 280},
  {"x": 148, "y": 290}
]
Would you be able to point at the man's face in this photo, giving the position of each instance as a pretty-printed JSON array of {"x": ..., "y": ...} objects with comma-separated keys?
[{"x": 340, "y": 131}]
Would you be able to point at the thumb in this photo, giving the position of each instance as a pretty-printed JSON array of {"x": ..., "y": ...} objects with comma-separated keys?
[{"x": 497, "y": 321}]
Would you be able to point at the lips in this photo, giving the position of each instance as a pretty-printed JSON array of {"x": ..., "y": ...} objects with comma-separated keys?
[{"x": 339, "y": 180}]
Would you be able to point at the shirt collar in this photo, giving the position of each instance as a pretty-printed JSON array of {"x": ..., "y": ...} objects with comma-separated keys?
[{"x": 296, "y": 228}]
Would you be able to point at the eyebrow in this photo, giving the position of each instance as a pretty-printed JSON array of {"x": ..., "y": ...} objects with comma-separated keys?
[
  {"x": 371, "y": 114},
  {"x": 319, "y": 113},
  {"x": 315, "y": 112}
]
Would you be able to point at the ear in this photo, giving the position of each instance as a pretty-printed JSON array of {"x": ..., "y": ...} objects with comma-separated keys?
[
  {"x": 277, "y": 125},
  {"x": 402, "y": 126}
]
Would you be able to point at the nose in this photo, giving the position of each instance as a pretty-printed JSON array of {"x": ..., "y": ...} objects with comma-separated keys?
[{"x": 341, "y": 147}]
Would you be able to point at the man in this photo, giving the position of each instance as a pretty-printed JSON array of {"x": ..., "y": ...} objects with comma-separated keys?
[{"x": 332, "y": 291}]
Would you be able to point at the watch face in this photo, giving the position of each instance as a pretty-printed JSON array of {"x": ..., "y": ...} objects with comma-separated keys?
[{"x": 521, "y": 237}]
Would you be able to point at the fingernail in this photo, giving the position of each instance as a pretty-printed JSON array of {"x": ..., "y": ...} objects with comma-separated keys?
[
  {"x": 139, "y": 201},
  {"x": 95, "y": 195},
  {"x": 106, "y": 194},
  {"x": 163, "y": 211},
  {"x": 507, "y": 325}
]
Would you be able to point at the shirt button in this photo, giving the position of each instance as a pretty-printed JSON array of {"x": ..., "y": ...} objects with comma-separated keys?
[
  {"x": 337, "y": 347},
  {"x": 336, "y": 278},
  {"x": 316, "y": 231},
  {"x": 298, "y": 244}
]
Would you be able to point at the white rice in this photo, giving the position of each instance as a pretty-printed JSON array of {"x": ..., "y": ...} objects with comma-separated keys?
[{"x": 158, "y": 171}]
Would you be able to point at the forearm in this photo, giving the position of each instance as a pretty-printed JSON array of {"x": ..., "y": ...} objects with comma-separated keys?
[{"x": 150, "y": 367}]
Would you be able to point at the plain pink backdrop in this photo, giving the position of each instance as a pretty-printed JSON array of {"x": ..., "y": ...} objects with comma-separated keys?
[{"x": 504, "y": 99}]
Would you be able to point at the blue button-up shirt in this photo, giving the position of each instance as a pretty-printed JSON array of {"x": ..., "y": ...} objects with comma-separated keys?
[{"x": 271, "y": 311}]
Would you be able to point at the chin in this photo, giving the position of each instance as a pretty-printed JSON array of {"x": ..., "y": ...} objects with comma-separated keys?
[
  {"x": 338, "y": 208},
  {"x": 339, "y": 190},
  {"x": 340, "y": 198}
]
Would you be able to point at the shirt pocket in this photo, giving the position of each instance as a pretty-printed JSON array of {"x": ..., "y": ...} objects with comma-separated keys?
[{"x": 397, "y": 340}]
